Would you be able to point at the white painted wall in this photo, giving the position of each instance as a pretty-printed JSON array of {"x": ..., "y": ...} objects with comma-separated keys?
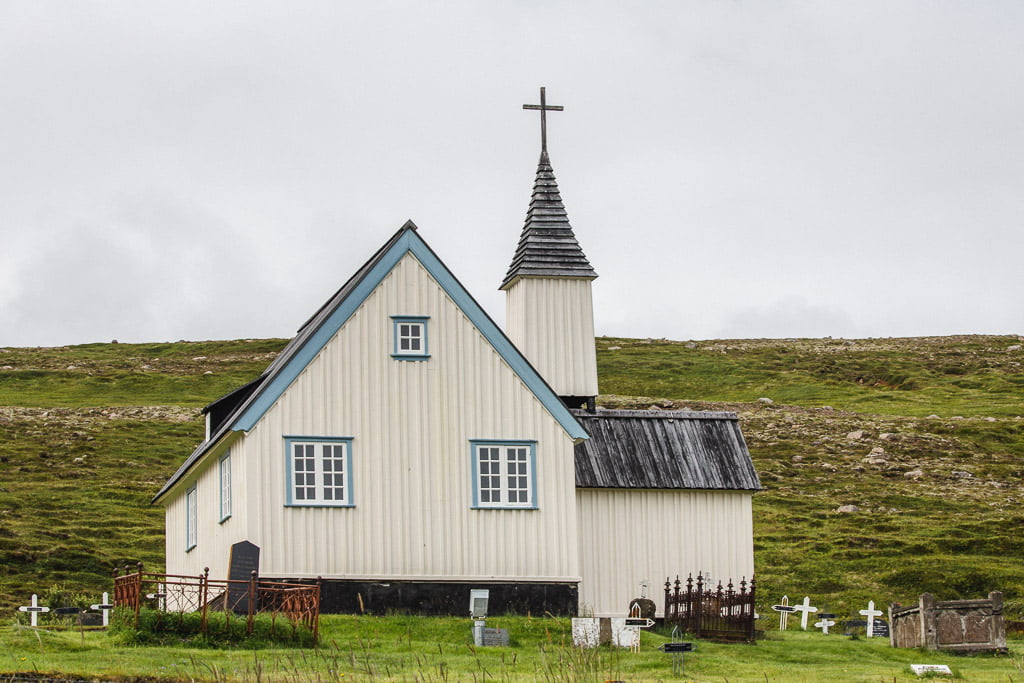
[
  {"x": 214, "y": 537},
  {"x": 551, "y": 320},
  {"x": 411, "y": 423},
  {"x": 628, "y": 536}
]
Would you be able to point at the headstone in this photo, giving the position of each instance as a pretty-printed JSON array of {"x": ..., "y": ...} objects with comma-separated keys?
[
  {"x": 870, "y": 613},
  {"x": 243, "y": 560},
  {"x": 586, "y": 631},
  {"x": 881, "y": 628},
  {"x": 624, "y": 636},
  {"x": 805, "y": 608},
  {"x": 495, "y": 637},
  {"x": 923, "y": 669},
  {"x": 34, "y": 610}
]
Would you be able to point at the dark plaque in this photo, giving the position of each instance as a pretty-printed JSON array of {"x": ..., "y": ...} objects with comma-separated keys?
[
  {"x": 242, "y": 562},
  {"x": 881, "y": 629}
]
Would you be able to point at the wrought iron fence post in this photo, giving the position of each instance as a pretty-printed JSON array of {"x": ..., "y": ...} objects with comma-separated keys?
[
  {"x": 138, "y": 591},
  {"x": 204, "y": 592},
  {"x": 668, "y": 594},
  {"x": 701, "y": 589},
  {"x": 252, "y": 602}
]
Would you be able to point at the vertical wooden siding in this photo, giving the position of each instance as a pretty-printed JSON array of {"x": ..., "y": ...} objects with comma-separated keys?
[
  {"x": 411, "y": 423},
  {"x": 213, "y": 536},
  {"x": 627, "y": 536},
  {"x": 551, "y": 320}
]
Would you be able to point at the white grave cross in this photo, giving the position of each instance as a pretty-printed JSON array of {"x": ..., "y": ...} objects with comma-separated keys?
[
  {"x": 784, "y": 610},
  {"x": 871, "y": 613},
  {"x": 824, "y": 623},
  {"x": 34, "y": 609},
  {"x": 805, "y": 609},
  {"x": 104, "y": 607}
]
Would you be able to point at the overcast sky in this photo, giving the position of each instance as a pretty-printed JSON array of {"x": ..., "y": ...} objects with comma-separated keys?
[{"x": 215, "y": 170}]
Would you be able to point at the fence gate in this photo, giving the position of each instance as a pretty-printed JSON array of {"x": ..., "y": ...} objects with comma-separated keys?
[{"x": 720, "y": 613}]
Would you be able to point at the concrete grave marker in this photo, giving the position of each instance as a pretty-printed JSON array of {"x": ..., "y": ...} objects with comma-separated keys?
[
  {"x": 870, "y": 613},
  {"x": 34, "y": 610},
  {"x": 922, "y": 669},
  {"x": 625, "y": 636},
  {"x": 805, "y": 608}
]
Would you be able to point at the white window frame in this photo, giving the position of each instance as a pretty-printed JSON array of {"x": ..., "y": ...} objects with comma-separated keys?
[
  {"x": 224, "y": 470},
  {"x": 191, "y": 519},
  {"x": 315, "y": 491},
  {"x": 484, "y": 454},
  {"x": 402, "y": 328}
]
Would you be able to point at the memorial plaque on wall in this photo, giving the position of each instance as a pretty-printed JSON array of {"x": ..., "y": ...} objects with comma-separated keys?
[{"x": 242, "y": 562}]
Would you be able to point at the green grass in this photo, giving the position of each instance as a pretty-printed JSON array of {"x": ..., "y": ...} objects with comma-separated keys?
[
  {"x": 359, "y": 648},
  {"x": 89, "y": 433},
  {"x": 968, "y": 375}
]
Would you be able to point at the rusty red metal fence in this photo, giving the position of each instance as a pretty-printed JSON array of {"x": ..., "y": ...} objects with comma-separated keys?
[
  {"x": 719, "y": 613},
  {"x": 299, "y": 603}
]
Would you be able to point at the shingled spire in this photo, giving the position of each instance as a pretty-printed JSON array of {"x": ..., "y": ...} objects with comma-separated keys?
[
  {"x": 549, "y": 311},
  {"x": 547, "y": 246}
]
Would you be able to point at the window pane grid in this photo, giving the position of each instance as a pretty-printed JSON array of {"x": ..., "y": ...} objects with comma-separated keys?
[
  {"x": 319, "y": 473},
  {"x": 503, "y": 476}
]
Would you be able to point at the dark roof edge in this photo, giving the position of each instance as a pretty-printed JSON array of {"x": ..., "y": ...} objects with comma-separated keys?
[{"x": 661, "y": 414}]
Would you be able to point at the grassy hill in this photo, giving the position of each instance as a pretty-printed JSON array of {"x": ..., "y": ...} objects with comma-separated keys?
[{"x": 922, "y": 437}]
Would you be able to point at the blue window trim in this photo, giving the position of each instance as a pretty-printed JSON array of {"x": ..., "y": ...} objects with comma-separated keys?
[
  {"x": 220, "y": 491},
  {"x": 289, "y": 485},
  {"x": 397, "y": 320},
  {"x": 474, "y": 462},
  {"x": 191, "y": 518}
]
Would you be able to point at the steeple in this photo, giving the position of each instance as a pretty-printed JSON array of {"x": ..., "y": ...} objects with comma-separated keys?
[
  {"x": 547, "y": 245},
  {"x": 549, "y": 307}
]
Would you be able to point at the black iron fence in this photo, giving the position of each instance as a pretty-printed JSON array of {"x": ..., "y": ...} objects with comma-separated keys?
[{"x": 715, "y": 613}]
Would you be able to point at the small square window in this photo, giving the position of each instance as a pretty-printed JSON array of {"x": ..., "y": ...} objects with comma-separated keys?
[{"x": 410, "y": 337}]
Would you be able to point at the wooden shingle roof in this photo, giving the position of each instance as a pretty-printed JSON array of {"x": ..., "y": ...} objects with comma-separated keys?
[
  {"x": 645, "y": 449},
  {"x": 547, "y": 245}
]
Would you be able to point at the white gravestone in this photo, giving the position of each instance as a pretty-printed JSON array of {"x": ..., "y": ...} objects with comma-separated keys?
[
  {"x": 625, "y": 636},
  {"x": 871, "y": 613},
  {"x": 34, "y": 609},
  {"x": 805, "y": 609},
  {"x": 586, "y": 631}
]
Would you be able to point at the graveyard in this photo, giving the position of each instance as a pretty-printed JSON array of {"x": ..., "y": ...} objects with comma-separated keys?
[{"x": 891, "y": 468}]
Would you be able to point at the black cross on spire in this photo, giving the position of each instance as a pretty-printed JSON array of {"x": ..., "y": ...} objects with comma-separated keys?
[{"x": 544, "y": 108}]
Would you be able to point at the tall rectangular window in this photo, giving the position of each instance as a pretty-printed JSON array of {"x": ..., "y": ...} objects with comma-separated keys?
[
  {"x": 225, "y": 486},
  {"x": 191, "y": 523},
  {"x": 319, "y": 471},
  {"x": 410, "y": 337},
  {"x": 503, "y": 474}
]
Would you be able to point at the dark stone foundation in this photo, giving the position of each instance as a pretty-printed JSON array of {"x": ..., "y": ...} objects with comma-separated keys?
[{"x": 339, "y": 596}]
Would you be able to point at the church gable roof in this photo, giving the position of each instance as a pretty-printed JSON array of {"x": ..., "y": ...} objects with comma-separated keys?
[
  {"x": 641, "y": 449},
  {"x": 251, "y": 402},
  {"x": 547, "y": 245}
]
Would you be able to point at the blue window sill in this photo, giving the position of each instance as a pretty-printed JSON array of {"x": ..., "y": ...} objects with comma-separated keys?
[
  {"x": 224, "y": 519},
  {"x": 408, "y": 356}
]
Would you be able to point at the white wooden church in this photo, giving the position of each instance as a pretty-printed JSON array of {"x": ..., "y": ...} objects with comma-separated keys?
[{"x": 406, "y": 449}]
